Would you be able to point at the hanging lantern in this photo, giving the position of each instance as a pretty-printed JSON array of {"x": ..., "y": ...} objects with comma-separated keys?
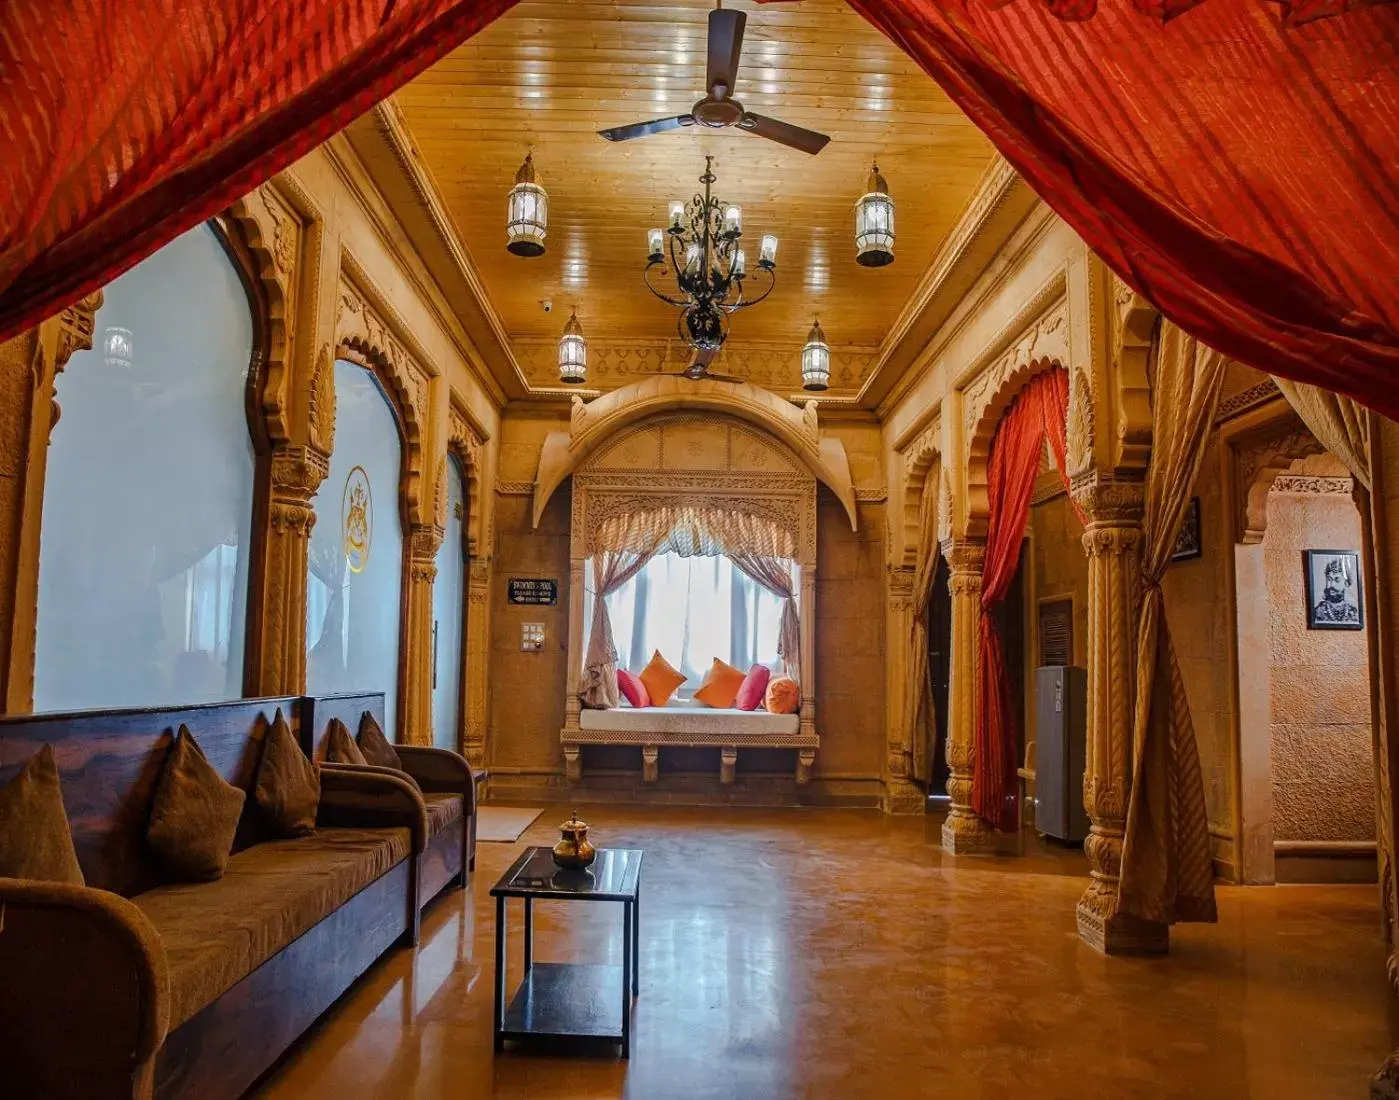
[
  {"x": 117, "y": 347},
  {"x": 573, "y": 353},
  {"x": 816, "y": 360},
  {"x": 874, "y": 223},
  {"x": 527, "y": 213}
]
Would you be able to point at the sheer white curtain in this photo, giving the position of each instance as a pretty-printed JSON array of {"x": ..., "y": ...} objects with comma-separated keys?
[{"x": 693, "y": 610}]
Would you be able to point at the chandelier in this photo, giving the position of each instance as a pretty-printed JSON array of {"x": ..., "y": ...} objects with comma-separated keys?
[{"x": 701, "y": 245}]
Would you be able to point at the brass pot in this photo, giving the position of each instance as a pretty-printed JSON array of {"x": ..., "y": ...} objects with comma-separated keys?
[{"x": 574, "y": 851}]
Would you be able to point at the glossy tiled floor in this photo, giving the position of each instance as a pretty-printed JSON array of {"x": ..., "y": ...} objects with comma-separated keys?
[{"x": 837, "y": 954}]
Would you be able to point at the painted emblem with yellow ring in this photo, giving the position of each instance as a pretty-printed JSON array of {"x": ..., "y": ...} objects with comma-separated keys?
[{"x": 357, "y": 519}]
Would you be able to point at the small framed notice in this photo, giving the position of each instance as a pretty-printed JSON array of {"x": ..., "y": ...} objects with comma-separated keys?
[{"x": 534, "y": 590}]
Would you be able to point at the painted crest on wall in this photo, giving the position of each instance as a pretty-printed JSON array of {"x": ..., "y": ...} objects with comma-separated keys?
[{"x": 357, "y": 519}]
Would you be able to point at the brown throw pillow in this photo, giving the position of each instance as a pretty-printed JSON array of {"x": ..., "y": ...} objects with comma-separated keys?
[
  {"x": 340, "y": 747},
  {"x": 195, "y": 814},
  {"x": 374, "y": 746},
  {"x": 288, "y": 789},
  {"x": 35, "y": 841}
]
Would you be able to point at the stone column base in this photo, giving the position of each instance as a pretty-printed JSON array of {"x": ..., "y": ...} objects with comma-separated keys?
[
  {"x": 965, "y": 834},
  {"x": 1121, "y": 934},
  {"x": 903, "y": 798}
]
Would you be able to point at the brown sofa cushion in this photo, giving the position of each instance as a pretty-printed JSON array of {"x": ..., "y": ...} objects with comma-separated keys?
[
  {"x": 35, "y": 841},
  {"x": 442, "y": 810},
  {"x": 288, "y": 789},
  {"x": 217, "y": 933},
  {"x": 374, "y": 746},
  {"x": 195, "y": 814},
  {"x": 340, "y": 747}
]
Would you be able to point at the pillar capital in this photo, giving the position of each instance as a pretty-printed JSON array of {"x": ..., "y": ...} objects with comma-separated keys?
[
  {"x": 1108, "y": 500},
  {"x": 964, "y": 555},
  {"x": 297, "y": 472}
]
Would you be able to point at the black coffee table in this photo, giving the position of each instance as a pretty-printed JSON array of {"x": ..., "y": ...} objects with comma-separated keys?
[{"x": 569, "y": 1000}]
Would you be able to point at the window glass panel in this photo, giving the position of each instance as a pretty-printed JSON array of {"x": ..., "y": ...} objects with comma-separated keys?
[
  {"x": 354, "y": 581},
  {"x": 693, "y": 610},
  {"x": 147, "y": 513},
  {"x": 447, "y": 603}
]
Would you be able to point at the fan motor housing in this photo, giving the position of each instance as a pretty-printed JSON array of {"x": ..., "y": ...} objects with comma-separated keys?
[{"x": 717, "y": 113}]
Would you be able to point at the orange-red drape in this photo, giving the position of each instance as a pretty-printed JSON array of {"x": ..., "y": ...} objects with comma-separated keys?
[
  {"x": 1239, "y": 173},
  {"x": 1038, "y": 413},
  {"x": 124, "y": 123}
]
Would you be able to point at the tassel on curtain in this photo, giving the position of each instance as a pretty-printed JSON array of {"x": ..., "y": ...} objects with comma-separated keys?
[
  {"x": 611, "y": 570},
  {"x": 775, "y": 574},
  {"x": 1167, "y": 872},
  {"x": 1039, "y": 411}
]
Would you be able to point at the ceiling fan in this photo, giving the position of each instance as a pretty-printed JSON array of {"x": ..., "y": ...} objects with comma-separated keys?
[
  {"x": 718, "y": 109},
  {"x": 698, "y": 368}
]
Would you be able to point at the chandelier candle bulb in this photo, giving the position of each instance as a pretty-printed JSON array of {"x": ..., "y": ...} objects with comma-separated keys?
[
  {"x": 767, "y": 251},
  {"x": 692, "y": 256},
  {"x": 677, "y": 215},
  {"x": 733, "y": 220},
  {"x": 655, "y": 244},
  {"x": 740, "y": 267},
  {"x": 527, "y": 213}
]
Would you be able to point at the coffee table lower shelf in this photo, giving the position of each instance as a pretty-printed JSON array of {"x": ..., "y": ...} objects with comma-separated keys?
[{"x": 566, "y": 1000}]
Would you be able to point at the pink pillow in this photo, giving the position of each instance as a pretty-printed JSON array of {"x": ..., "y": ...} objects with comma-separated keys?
[
  {"x": 750, "y": 694},
  {"x": 632, "y": 688}
]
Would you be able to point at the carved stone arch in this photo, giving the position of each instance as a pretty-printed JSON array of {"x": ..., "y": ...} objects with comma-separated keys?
[
  {"x": 356, "y": 342},
  {"x": 600, "y": 421},
  {"x": 270, "y": 233},
  {"x": 1258, "y": 463},
  {"x": 466, "y": 447},
  {"x": 983, "y": 431},
  {"x": 921, "y": 476}
]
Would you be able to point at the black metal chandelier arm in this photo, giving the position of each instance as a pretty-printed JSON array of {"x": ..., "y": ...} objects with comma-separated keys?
[
  {"x": 646, "y": 276},
  {"x": 744, "y": 303}
]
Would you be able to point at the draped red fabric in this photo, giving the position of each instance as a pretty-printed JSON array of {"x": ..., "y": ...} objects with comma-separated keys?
[
  {"x": 126, "y": 122},
  {"x": 1037, "y": 412},
  {"x": 1239, "y": 174}
]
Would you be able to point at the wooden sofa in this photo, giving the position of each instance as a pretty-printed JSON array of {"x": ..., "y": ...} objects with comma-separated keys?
[
  {"x": 447, "y": 783},
  {"x": 132, "y": 987}
]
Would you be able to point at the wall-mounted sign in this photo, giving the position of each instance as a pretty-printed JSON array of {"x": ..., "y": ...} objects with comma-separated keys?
[{"x": 534, "y": 590}]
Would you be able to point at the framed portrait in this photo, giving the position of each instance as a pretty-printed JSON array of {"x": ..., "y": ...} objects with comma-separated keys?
[
  {"x": 1188, "y": 542},
  {"x": 1334, "y": 597}
]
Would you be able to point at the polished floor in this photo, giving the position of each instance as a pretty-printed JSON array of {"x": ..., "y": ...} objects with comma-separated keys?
[{"x": 796, "y": 953}]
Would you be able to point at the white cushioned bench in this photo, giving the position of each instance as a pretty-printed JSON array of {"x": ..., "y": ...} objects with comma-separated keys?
[{"x": 683, "y": 723}]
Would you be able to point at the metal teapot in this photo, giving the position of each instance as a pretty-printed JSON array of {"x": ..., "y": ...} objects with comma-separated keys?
[{"x": 574, "y": 851}]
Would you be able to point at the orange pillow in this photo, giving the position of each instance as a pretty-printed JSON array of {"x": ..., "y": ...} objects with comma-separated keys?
[
  {"x": 720, "y": 685},
  {"x": 784, "y": 696},
  {"x": 660, "y": 679}
]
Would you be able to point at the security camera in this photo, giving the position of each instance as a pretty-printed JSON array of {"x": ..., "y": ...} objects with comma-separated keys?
[{"x": 547, "y": 304}]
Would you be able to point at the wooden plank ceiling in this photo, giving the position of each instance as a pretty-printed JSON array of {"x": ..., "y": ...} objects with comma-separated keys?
[{"x": 548, "y": 75}]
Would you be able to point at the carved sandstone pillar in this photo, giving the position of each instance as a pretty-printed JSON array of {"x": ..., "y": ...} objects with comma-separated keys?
[
  {"x": 963, "y": 832},
  {"x": 901, "y": 796},
  {"x": 478, "y": 647},
  {"x": 278, "y": 663},
  {"x": 29, "y": 368},
  {"x": 415, "y": 708},
  {"x": 1113, "y": 540}
]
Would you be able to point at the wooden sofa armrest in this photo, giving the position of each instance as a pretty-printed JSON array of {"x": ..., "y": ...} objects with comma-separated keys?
[
  {"x": 86, "y": 1001},
  {"x": 365, "y": 795},
  {"x": 440, "y": 771}
]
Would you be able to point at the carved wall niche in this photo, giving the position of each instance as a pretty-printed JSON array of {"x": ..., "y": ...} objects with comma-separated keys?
[{"x": 1257, "y": 463}]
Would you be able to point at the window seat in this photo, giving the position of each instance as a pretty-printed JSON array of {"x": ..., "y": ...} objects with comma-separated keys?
[{"x": 682, "y": 723}]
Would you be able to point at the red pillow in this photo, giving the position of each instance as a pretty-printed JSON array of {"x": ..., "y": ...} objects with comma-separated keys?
[
  {"x": 633, "y": 689},
  {"x": 750, "y": 694}
]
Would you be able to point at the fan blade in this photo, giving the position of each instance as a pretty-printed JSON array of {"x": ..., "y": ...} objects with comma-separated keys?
[
  {"x": 725, "y": 46},
  {"x": 808, "y": 141},
  {"x": 724, "y": 378},
  {"x": 641, "y": 129}
]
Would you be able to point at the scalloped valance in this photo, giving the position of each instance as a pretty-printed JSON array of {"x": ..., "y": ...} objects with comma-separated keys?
[{"x": 733, "y": 528}]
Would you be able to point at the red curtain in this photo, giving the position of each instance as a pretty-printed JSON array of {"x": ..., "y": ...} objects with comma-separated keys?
[
  {"x": 126, "y": 122},
  {"x": 1037, "y": 412},
  {"x": 1239, "y": 174}
]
